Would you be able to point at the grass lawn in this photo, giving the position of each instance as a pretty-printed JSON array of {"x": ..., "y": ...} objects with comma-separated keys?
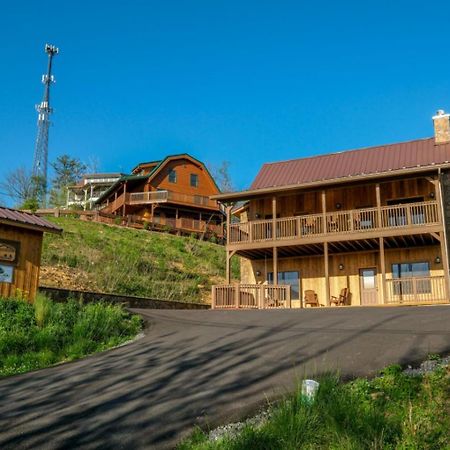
[
  {"x": 392, "y": 411},
  {"x": 33, "y": 336},
  {"x": 120, "y": 260}
]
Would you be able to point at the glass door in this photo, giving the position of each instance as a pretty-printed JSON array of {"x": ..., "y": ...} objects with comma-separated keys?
[
  {"x": 290, "y": 278},
  {"x": 369, "y": 288}
]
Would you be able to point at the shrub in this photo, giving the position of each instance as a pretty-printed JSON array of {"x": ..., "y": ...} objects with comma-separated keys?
[{"x": 35, "y": 336}]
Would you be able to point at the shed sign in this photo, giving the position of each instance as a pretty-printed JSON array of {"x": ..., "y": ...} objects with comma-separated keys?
[
  {"x": 9, "y": 251},
  {"x": 6, "y": 273}
]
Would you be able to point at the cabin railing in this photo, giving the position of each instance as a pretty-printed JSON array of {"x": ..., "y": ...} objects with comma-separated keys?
[
  {"x": 409, "y": 215},
  {"x": 251, "y": 296},
  {"x": 140, "y": 198},
  {"x": 416, "y": 290}
]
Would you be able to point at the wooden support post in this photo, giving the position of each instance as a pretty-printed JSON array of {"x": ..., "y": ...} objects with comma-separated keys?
[
  {"x": 383, "y": 272},
  {"x": 275, "y": 266},
  {"x": 213, "y": 297},
  {"x": 443, "y": 236},
  {"x": 378, "y": 195},
  {"x": 324, "y": 212},
  {"x": 228, "y": 269},
  {"x": 124, "y": 198},
  {"x": 274, "y": 218},
  {"x": 228, "y": 212},
  {"x": 236, "y": 295},
  {"x": 327, "y": 274}
]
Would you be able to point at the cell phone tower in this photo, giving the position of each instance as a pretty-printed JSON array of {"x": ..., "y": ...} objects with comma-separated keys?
[{"x": 41, "y": 150}]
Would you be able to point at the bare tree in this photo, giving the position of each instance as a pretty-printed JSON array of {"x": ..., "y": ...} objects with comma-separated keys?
[
  {"x": 19, "y": 185},
  {"x": 221, "y": 175}
]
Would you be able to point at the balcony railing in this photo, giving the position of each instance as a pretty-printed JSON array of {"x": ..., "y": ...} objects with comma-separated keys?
[
  {"x": 410, "y": 215},
  {"x": 140, "y": 198},
  {"x": 251, "y": 296},
  {"x": 416, "y": 290}
]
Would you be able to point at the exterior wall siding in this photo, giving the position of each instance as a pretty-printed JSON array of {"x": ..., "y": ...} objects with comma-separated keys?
[
  {"x": 311, "y": 269},
  {"x": 26, "y": 272}
]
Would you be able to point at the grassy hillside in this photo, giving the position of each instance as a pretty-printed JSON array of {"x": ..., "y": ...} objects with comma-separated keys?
[{"x": 112, "y": 259}]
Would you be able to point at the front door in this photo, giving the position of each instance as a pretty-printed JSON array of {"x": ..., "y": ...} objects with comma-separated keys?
[{"x": 369, "y": 288}]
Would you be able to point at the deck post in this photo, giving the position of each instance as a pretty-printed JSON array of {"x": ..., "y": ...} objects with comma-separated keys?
[
  {"x": 275, "y": 266},
  {"x": 383, "y": 272},
  {"x": 228, "y": 271},
  {"x": 274, "y": 218},
  {"x": 124, "y": 198},
  {"x": 327, "y": 274},
  {"x": 324, "y": 212},
  {"x": 378, "y": 195},
  {"x": 443, "y": 236},
  {"x": 213, "y": 297},
  {"x": 236, "y": 295}
]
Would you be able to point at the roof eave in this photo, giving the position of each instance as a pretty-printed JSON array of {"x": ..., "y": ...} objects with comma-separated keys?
[
  {"x": 30, "y": 226},
  {"x": 251, "y": 193}
]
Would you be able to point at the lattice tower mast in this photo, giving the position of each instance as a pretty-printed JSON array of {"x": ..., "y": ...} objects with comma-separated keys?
[{"x": 44, "y": 111}]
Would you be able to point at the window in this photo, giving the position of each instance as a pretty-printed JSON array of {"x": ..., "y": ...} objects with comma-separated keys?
[
  {"x": 290, "y": 278},
  {"x": 172, "y": 176},
  {"x": 399, "y": 216},
  {"x": 412, "y": 278},
  {"x": 194, "y": 180}
]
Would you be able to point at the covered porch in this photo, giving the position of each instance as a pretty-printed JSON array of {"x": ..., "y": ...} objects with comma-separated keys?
[{"x": 393, "y": 270}]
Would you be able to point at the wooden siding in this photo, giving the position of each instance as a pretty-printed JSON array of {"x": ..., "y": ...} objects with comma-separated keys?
[
  {"x": 184, "y": 168},
  {"x": 354, "y": 197},
  {"x": 312, "y": 270},
  {"x": 26, "y": 272}
]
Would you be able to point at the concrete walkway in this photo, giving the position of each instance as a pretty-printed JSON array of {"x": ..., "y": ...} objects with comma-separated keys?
[{"x": 205, "y": 366}]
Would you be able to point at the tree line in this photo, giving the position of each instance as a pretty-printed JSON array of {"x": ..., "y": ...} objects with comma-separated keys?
[{"x": 30, "y": 192}]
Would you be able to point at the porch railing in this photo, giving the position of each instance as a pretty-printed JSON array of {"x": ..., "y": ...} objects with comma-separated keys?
[
  {"x": 139, "y": 198},
  {"x": 416, "y": 290},
  {"x": 251, "y": 296},
  {"x": 412, "y": 215}
]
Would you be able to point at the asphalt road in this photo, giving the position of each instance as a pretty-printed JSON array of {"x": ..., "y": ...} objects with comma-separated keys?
[{"x": 205, "y": 367}]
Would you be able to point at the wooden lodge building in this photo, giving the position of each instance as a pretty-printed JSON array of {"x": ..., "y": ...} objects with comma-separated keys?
[
  {"x": 360, "y": 227},
  {"x": 172, "y": 194}
]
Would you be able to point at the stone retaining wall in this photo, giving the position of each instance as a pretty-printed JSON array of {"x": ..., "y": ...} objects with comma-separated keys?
[{"x": 61, "y": 295}]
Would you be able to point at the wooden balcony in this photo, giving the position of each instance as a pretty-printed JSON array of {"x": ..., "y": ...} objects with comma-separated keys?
[
  {"x": 251, "y": 296},
  {"x": 143, "y": 198},
  {"x": 337, "y": 225}
]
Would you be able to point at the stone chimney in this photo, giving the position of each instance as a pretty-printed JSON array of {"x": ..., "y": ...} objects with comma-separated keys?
[{"x": 441, "y": 127}]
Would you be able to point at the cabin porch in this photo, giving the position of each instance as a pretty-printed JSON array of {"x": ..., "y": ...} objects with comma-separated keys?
[{"x": 385, "y": 271}]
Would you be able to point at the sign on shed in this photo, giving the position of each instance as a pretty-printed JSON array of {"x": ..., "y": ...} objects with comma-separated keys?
[{"x": 21, "y": 237}]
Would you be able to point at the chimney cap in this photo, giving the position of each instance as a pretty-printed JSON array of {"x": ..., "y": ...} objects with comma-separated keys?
[{"x": 440, "y": 113}]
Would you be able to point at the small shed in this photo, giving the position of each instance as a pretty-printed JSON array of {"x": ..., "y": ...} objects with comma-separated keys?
[{"x": 21, "y": 237}]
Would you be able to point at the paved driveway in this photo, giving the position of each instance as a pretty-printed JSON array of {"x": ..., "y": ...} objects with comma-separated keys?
[{"x": 197, "y": 366}]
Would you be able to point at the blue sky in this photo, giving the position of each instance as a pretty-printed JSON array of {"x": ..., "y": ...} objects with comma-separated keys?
[{"x": 243, "y": 81}]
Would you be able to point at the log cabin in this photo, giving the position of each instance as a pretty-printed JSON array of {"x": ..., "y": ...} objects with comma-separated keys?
[
  {"x": 21, "y": 237},
  {"x": 172, "y": 194},
  {"x": 359, "y": 227}
]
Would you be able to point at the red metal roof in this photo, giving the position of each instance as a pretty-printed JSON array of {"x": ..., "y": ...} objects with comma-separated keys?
[
  {"x": 18, "y": 218},
  {"x": 371, "y": 160}
]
